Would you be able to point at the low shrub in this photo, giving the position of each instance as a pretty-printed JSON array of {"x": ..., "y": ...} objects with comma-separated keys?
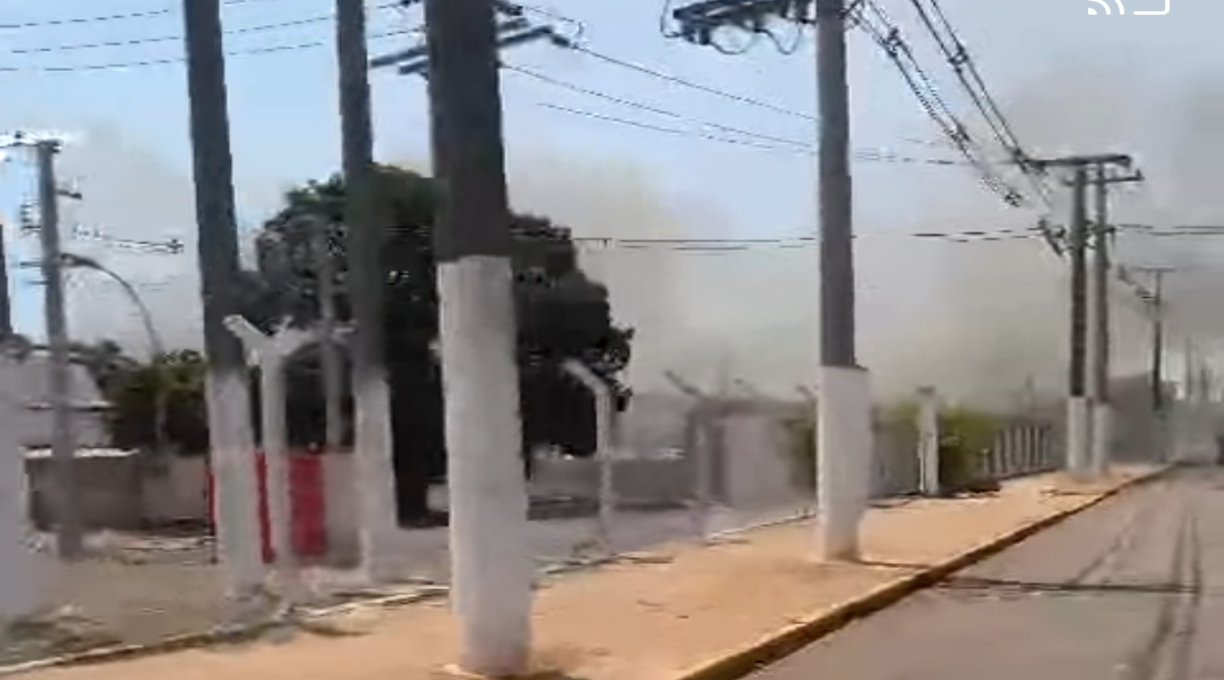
[{"x": 966, "y": 438}]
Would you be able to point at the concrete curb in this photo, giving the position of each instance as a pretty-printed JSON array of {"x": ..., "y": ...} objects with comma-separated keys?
[{"x": 746, "y": 660}]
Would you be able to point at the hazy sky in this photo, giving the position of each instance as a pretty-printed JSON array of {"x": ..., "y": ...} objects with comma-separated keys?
[{"x": 973, "y": 316}]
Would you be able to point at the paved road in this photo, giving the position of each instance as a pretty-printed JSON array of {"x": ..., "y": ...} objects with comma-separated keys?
[{"x": 1131, "y": 590}]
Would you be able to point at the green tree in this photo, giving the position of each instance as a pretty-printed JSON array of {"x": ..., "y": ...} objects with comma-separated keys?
[
  {"x": 181, "y": 376},
  {"x": 561, "y": 313}
]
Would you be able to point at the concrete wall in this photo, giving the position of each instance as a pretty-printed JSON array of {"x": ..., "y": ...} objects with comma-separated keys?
[
  {"x": 109, "y": 492},
  {"x": 178, "y": 494},
  {"x": 635, "y": 482},
  {"x": 894, "y": 467},
  {"x": 27, "y": 382}
]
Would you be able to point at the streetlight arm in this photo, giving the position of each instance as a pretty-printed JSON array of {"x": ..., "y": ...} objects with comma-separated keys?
[{"x": 83, "y": 262}]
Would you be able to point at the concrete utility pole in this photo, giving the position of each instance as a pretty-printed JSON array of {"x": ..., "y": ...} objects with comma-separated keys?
[
  {"x": 1158, "y": 342},
  {"x": 1079, "y": 405},
  {"x": 63, "y": 449},
  {"x": 1102, "y": 416},
  {"x": 229, "y": 412},
  {"x": 844, "y": 408},
  {"x": 6, "y": 305},
  {"x": 1188, "y": 391},
  {"x": 1155, "y": 298},
  {"x": 372, "y": 441},
  {"x": 490, "y": 556},
  {"x": 330, "y": 360}
]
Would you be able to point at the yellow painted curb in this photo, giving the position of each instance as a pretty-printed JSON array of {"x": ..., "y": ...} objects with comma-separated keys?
[{"x": 746, "y": 660}]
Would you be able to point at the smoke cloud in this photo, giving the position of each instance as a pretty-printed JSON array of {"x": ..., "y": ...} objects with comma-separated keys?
[{"x": 978, "y": 321}]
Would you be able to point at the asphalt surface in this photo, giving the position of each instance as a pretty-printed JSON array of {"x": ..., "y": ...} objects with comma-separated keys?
[{"x": 1130, "y": 590}]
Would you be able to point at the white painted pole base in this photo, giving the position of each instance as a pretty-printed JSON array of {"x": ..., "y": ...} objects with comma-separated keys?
[
  {"x": 236, "y": 490},
  {"x": 843, "y": 460},
  {"x": 1079, "y": 437},
  {"x": 491, "y": 561},
  {"x": 1102, "y": 438},
  {"x": 374, "y": 470}
]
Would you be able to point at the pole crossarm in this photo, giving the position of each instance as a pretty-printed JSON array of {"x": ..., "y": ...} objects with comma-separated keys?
[
  {"x": 1117, "y": 159},
  {"x": 698, "y": 21},
  {"x": 511, "y": 32}
]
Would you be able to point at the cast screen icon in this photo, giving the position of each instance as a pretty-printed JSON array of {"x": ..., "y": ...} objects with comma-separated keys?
[
  {"x": 1104, "y": 7},
  {"x": 1156, "y": 13}
]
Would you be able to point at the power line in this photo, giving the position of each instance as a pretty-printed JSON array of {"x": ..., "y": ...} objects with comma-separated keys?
[
  {"x": 888, "y": 36},
  {"x": 700, "y": 87},
  {"x": 104, "y": 18},
  {"x": 863, "y": 155},
  {"x": 963, "y": 65},
  {"x": 653, "y": 109},
  {"x": 734, "y": 244},
  {"x": 692, "y": 85},
  {"x": 259, "y": 28},
  {"x": 274, "y": 49}
]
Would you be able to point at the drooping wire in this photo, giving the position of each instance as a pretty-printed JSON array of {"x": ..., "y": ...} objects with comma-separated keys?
[
  {"x": 862, "y": 155},
  {"x": 116, "y": 66},
  {"x": 556, "y": 82},
  {"x": 806, "y": 241},
  {"x": 258, "y": 28},
  {"x": 963, "y": 65},
  {"x": 888, "y": 36},
  {"x": 120, "y": 16}
]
